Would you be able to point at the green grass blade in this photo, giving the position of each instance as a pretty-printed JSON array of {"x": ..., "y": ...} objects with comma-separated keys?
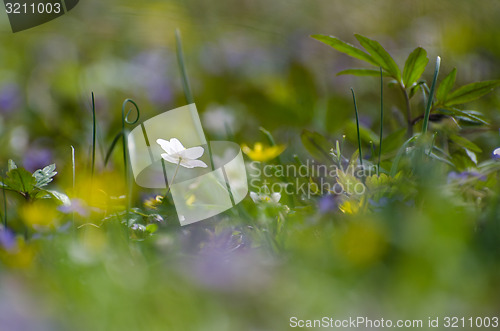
[
  {"x": 93, "y": 135},
  {"x": 381, "y": 119},
  {"x": 431, "y": 96},
  {"x": 357, "y": 127},
  {"x": 182, "y": 68}
]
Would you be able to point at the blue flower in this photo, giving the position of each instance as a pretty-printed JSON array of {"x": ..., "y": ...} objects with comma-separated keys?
[
  {"x": 10, "y": 98},
  {"x": 37, "y": 158},
  {"x": 328, "y": 203},
  {"x": 7, "y": 239},
  {"x": 464, "y": 175},
  {"x": 496, "y": 154}
]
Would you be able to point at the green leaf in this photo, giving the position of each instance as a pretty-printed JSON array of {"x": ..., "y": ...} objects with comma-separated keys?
[
  {"x": 365, "y": 134},
  {"x": 470, "y": 92},
  {"x": 380, "y": 55},
  {"x": 151, "y": 228},
  {"x": 393, "y": 141},
  {"x": 44, "y": 176},
  {"x": 20, "y": 180},
  {"x": 402, "y": 150},
  {"x": 363, "y": 72},
  {"x": 61, "y": 197},
  {"x": 422, "y": 85},
  {"x": 470, "y": 115},
  {"x": 414, "y": 66},
  {"x": 446, "y": 85},
  {"x": 317, "y": 145},
  {"x": 461, "y": 141},
  {"x": 345, "y": 48}
]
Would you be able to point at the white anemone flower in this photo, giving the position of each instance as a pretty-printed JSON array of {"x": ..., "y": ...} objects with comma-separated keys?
[
  {"x": 274, "y": 197},
  {"x": 176, "y": 153}
]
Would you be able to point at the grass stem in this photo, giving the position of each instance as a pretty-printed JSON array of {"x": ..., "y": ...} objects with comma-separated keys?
[
  {"x": 431, "y": 96},
  {"x": 381, "y": 120},
  {"x": 93, "y": 135},
  {"x": 357, "y": 127}
]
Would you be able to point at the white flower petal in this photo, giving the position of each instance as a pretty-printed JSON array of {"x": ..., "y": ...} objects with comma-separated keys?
[
  {"x": 254, "y": 196},
  {"x": 165, "y": 145},
  {"x": 186, "y": 163},
  {"x": 192, "y": 153},
  {"x": 170, "y": 158},
  {"x": 176, "y": 145},
  {"x": 276, "y": 197}
]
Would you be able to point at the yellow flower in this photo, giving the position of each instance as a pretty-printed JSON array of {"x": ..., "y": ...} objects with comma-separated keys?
[
  {"x": 261, "y": 153},
  {"x": 39, "y": 215},
  {"x": 21, "y": 256}
]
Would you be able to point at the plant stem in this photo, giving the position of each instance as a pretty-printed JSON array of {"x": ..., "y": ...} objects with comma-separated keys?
[
  {"x": 409, "y": 120},
  {"x": 4, "y": 205},
  {"x": 173, "y": 178},
  {"x": 74, "y": 179},
  {"x": 357, "y": 127},
  {"x": 93, "y": 135},
  {"x": 381, "y": 119}
]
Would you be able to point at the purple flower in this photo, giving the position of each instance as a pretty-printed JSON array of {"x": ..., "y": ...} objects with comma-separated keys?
[
  {"x": 138, "y": 227},
  {"x": 37, "y": 158},
  {"x": 464, "y": 175},
  {"x": 77, "y": 206},
  {"x": 328, "y": 203},
  {"x": 10, "y": 98},
  {"x": 7, "y": 239},
  {"x": 227, "y": 263},
  {"x": 155, "y": 68}
]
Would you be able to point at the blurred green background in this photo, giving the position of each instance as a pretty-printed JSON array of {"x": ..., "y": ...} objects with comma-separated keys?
[{"x": 251, "y": 63}]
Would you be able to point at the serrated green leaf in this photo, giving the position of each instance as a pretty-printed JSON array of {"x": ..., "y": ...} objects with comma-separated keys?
[
  {"x": 317, "y": 145},
  {"x": 414, "y": 66},
  {"x": 44, "y": 176},
  {"x": 20, "y": 180},
  {"x": 363, "y": 72},
  {"x": 459, "y": 140},
  {"x": 380, "y": 55},
  {"x": 345, "y": 48},
  {"x": 446, "y": 85},
  {"x": 470, "y": 92}
]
